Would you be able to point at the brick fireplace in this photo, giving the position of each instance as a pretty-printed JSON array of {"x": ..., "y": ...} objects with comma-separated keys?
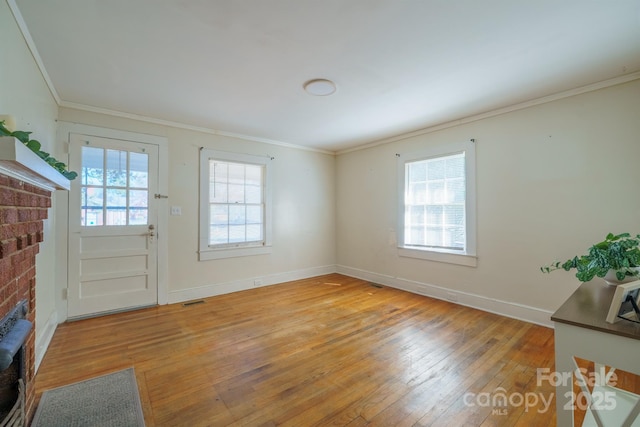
[{"x": 23, "y": 207}]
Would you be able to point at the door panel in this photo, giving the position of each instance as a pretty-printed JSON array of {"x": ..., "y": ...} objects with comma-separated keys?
[{"x": 112, "y": 218}]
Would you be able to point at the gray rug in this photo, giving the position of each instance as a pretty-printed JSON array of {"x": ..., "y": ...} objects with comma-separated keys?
[{"x": 111, "y": 400}]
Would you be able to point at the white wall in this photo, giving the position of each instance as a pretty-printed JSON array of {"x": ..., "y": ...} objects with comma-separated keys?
[
  {"x": 551, "y": 180},
  {"x": 25, "y": 96},
  {"x": 303, "y": 211}
]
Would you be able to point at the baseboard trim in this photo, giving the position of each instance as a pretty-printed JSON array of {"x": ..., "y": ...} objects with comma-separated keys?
[
  {"x": 44, "y": 338},
  {"x": 491, "y": 305},
  {"x": 248, "y": 283}
]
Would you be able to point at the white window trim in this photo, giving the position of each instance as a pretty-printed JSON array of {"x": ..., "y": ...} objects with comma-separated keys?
[
  {"x": 206, "y": 252},
  {"x": 468, "y": 256}
]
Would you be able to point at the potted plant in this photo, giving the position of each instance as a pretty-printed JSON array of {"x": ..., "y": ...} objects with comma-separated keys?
[
  {"x": 35, "y": 146},
  {"x": 616, "y": 259}
]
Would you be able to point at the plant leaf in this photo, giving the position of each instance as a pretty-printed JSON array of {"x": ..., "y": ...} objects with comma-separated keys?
[
  {"x": 34, "y": 145},
  {"x": 3, "y": 130},
  {"x": 70, "y": 175},
  {"x": 21, "y": 135}
]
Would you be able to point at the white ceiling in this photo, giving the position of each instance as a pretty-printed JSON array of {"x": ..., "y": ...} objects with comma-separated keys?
[{"x": 399, "y": 65}]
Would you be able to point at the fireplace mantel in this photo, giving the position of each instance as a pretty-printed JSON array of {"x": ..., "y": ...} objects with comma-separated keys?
[{"x": 18, "y": 161}]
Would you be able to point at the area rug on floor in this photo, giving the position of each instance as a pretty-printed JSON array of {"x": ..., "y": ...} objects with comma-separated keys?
[{"x": 105, "y": 401}]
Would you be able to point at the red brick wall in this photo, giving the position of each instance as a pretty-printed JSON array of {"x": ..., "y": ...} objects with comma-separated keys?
[{"x": 22, "y": 209}]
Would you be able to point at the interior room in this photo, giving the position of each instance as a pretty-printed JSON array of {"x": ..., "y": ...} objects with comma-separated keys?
[{"x": 544, "y": 96}]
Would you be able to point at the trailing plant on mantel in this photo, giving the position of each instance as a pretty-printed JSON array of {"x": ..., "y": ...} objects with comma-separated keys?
[
  {"x": 35, "y": 146},
  {"x": 616, "y": 253}
]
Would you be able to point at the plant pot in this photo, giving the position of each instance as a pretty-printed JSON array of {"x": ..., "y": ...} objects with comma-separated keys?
[{"x": 611, "y": 278}]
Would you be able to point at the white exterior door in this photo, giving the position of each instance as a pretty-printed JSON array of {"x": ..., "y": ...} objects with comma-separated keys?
[{"x": 113, "y": 254}]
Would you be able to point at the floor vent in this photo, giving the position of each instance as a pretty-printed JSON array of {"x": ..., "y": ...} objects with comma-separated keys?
[
  {"x": 375, "y": 285},
  {"x": 190, "y": 303}
]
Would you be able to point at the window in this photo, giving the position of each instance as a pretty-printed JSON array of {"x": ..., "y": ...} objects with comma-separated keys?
[
  {"x": 234, "y": 205},
  {"x": 114, "y": 187},
  {"x": 437, "y": 206}
]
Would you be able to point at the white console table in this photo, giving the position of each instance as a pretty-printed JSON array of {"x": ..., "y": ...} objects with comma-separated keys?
[{"x": 582, "y": 331}]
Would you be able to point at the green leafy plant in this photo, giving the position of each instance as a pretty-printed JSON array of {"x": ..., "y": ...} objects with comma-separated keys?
[
  {"x": 619, "y": 253},
  {"x": 35, "y": 146}
]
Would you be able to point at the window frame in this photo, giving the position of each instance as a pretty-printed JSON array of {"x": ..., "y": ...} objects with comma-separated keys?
[
  {"x": 467, "y": 256},
  {"x": 207, "y": 252}
]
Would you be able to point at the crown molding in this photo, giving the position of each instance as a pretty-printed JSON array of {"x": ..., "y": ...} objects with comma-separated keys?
[
  {"x": 179, "y": 125},
  {"x": 515, "y": 107}
]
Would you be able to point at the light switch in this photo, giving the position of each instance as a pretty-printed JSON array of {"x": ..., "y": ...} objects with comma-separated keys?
[{"x": 176, "y": 210}]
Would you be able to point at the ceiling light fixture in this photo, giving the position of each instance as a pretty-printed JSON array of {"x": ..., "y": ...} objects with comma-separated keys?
[{"x": 320, "y": 87}]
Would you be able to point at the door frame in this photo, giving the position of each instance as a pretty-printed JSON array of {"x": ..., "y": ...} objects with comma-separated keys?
[{"x": 65, "y": 130}]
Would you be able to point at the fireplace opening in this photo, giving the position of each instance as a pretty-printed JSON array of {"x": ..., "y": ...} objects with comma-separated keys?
[
  {"x": 14, "y": 330},
  {"x": 10, "y": 387}
]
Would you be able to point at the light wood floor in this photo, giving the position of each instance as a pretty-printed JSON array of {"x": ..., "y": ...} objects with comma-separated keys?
[{"x": 331, "y": 350}]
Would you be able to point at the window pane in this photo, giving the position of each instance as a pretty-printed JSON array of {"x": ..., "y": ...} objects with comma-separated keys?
[
  {"x": 139, "y": 170},
  {"x": 138, "y": 207},
  {"x": 436, "y": 169},
  {"x": 117, "y": 216},
  {"x": 218, "y": 235},
  {"x": 116, "y": 206},
  {"x": 416, "y": 236},
  {"x": 91, "y": 209},
  {"x": 447, "y": 238},
  {"x": 236, "y": 173},
  {"x": 236, "y": 233},
  {"x": 92, "y": 217},
  {"x": 92, "y": 166},
  {"x": 139, "y": 198},
  {"x": 219, "y": 214},
  {"x": 237, "y": 214},
  {"x": 253, "y": 175},
  {"x": 417, "y": 171},
  {"x": 434, "y": 236},
  {"x": 93, "y": 196},
  {"x": 116, "y": 198},
  {"x": 218, "y": 193},
  {"x": 435, "y": 192},
  {"x": 454, "y": 215},
  {"x": 417, "y": 215},
  {"x": 138, "y": 216},
  {"x": 458, "y": 237},
  {"x": 253, "y": 194},
  {"x": 455, "y": 167},
  {"x": 254, "y": 233},
  {"x": 417, "y": 194},
  {"x": 236, "y": 193},
  {"x": 116, "y": 168},
  {"x": 434, "y": 215},
  {"x": 254, "y": 214},
  {"x": 218, "y": 171},
  {"x": 455, "y": 191}
]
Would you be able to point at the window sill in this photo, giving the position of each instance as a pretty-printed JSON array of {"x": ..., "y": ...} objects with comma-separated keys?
[
  {"x": 210, "y": 254},
  {"x": 447, "y": 257}
]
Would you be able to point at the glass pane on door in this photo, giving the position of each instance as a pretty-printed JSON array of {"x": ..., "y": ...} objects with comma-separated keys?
[{"x": 115, "y": 187}]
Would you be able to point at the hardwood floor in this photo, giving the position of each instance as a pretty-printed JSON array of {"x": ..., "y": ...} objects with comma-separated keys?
[{"x": 330, "y": 350}]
